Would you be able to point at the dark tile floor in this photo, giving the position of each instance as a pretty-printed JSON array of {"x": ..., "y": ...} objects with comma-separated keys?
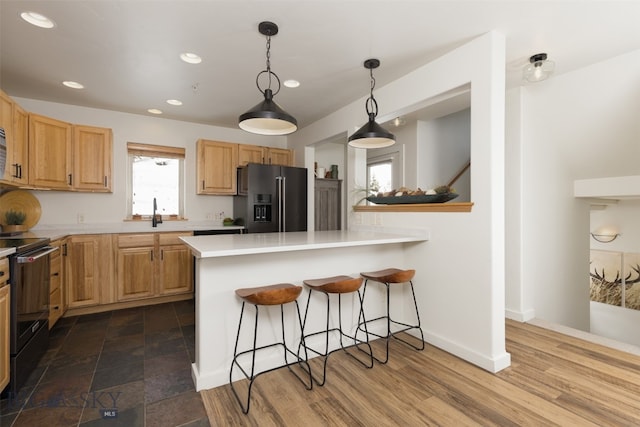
[{"x": 121, "y": 368}]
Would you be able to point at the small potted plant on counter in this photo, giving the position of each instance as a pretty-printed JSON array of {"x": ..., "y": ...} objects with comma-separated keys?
[
  {"x": 227, "y": 221},
  {"x": 14, "y": 221}
]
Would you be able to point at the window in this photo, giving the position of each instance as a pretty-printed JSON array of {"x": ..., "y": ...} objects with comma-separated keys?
[
  {"x": 383, "y": 171},
  {"x": 155, "y": 172}
]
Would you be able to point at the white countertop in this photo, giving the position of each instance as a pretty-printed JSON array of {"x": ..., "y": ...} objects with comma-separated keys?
[
  {"x": 257, "y": 243},
  {"x": 6, "y": 252}
]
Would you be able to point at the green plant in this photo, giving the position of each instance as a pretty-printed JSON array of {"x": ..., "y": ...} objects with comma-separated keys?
[{"x": 15, "y": 217}]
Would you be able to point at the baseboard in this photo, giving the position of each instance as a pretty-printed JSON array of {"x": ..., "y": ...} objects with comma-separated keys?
[{"x": 520, "y": 316}]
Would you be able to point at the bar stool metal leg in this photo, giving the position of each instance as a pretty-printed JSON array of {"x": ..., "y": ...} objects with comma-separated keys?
[
  {"x": 356, "y": 342},
  {"x": 394, "y": 276},
  {"x": 251, "y": 374}
]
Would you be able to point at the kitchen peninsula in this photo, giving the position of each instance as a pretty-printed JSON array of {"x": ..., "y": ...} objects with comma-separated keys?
[{"x": 225, "y": 263}]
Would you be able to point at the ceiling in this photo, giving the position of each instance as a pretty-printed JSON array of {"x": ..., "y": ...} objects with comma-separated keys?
[{"x": 126, "y": 53}]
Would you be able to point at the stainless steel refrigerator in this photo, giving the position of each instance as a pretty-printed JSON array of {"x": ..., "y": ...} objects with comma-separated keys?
[{"x": 271, "y": 198}]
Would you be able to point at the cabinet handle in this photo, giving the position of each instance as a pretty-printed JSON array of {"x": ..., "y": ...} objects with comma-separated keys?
[
  {"x": 20, "y": 171},
  {"x": 17, "y": 172},
  {"x": 70, "y": 180},
  {"x": 151, "y": 252},
  {"x": 64, "y": 249},
  {"x": 162, "y": 255},
  {"x": 203, "y": 184},
  {"x": 105, "y": 180},
  {"x": 56, "y": 274},
  {"x": 1, "y": 273}
]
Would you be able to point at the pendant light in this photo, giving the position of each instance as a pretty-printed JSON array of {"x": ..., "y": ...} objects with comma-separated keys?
[
  {"x": 371, "y": 135},
  {"x": 539, "y": 68},
  {"x": 268, "y": 118}
]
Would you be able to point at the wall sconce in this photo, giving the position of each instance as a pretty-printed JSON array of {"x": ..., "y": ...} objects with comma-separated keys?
[{"x": 605, "y": 238}]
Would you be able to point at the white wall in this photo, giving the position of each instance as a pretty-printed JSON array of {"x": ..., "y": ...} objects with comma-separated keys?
[
  {"x": 578, "y": 125},
  {"x": 59, "y": 207},
  {"x": 460, "y": 272}
]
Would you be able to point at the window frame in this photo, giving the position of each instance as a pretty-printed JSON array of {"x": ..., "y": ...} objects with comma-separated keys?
[{"x": 151, "y": 150}]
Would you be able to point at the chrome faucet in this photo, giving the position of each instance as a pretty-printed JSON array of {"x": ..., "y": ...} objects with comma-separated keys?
[{"x": 155, "y": 220}]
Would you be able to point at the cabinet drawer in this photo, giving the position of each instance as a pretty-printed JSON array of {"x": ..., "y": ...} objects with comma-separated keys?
[
  {"x": 55, "y": 307},
  {"x": 55, "y": 278},
  {"x": 4, "y": 270},
  {"x": 135, "y": 240},
  {"x": 172, "y": 238}
]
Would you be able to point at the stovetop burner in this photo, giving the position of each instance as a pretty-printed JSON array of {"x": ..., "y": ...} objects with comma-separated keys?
[{"x": 23, "y": 244}]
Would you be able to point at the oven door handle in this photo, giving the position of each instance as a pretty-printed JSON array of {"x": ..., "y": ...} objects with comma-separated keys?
[{"x": 34, "y": 257}]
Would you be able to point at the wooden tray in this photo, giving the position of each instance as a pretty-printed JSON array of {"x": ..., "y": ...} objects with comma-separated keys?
[{"x": 20, "y": 200}]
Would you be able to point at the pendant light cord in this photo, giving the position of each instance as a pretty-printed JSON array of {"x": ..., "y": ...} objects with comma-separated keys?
[
  {"x": 268, "y": 71},
  {"x": 371, "y": 103}
]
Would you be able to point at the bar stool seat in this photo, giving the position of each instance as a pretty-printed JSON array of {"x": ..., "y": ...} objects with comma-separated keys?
[
  {"x": 336, "y": 285},
  {"x": 388, "y": 277},
  {"x": 278, "y": 294}
]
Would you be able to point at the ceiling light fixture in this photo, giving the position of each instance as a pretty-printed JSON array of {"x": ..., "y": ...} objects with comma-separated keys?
[
  {"x": 291, "y": 83},
  {"x": 268, "y": 118},
  {"x": 154, "y": 111},
  {"x": 371, "y": 135},
  {"x": 73, "y": 85},
  {"x": 399, "y": 121},
  {"x": 37, "y": 19},
  {"x": 539, "y": 68},
  {"x": 190, "y": 58},
  {"x": 174, "y": 102}
]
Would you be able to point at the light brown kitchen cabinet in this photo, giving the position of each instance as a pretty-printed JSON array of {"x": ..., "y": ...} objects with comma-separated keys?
[
  {"x": 57, "y": 302},
  {"x": 88, "y": 270},
  {"x": 216, "y": 164},
  {"x": 92, "y": 158},
  {"x": 50, "y": 153},
  {"x": 175, "y": 273},
  {"x": 4, "y": 323},
  {"x": 265, "y": 155},
  {"x": 152, "y": 264},
  {"x": 14, "y": 121}
]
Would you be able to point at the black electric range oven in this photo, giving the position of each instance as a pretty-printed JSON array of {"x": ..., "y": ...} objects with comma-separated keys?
[{"x": 29, "y": 317}]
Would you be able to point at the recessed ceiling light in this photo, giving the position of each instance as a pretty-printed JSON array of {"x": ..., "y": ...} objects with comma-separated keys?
[
  {"x": 291, "y": 83},
  {"x": 73, "y": 85},
  {"x": 174, "y": 102},
  {"x": 191, "y": 58},
  {"x": 37, "y": 19},
  {"x": 154, "y": 111}
]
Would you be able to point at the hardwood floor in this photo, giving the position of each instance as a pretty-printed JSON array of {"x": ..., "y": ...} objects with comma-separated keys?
[{"x": 554, "y": 379}]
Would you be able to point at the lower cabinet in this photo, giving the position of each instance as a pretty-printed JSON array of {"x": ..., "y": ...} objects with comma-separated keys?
[
  {"x": 152, "y": 264},
  {"x": 4, "y": 323},
  {"x": 88, "y": 270}
]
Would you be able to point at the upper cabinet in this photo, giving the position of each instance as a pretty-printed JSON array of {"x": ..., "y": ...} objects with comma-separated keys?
[
  {"x": 216, "y": 167},
  {"x": 50, "y": 153},
  {"x": 265, "y": 155},
  {"x": 14, "y": 121},
  {"x": 92, "y": 148}
]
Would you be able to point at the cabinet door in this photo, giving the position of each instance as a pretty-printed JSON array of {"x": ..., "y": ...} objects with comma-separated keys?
[
  {"x": 82, "y": 268},
  {"x": 250, "y": 154},
  {"x": 135, "y": 273},
  {"x": 216, "y": 167},
  {"x": 49, "y": 153},
  {"x": 279, "y": 156},
  {"x": 92, "y": 148},
  {"x": 176, "y": 269},
  {"x": 4, "y": 336},
  {"x": 18, "y": 149}
]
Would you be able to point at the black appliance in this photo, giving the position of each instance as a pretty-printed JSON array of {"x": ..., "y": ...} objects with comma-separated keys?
[
  {"x": 29, "y": 318},
  {"x": 271, "y": 198}
]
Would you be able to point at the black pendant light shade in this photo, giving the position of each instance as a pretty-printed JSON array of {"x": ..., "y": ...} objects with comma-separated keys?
[
  {"x": 267, "y": 117},
  {"x": 371, "y": 135}
]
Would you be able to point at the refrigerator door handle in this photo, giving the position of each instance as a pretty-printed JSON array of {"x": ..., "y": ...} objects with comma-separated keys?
[
  {"x": 284, "y": 204},
  {"x": 279, "y": 185}
]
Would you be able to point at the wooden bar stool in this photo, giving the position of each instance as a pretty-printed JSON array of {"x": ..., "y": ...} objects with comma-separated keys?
[
  {"x": 336, "y": 285},
  {"x": 280, "y": 294},
  {"x": 387, "y": 277}
]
